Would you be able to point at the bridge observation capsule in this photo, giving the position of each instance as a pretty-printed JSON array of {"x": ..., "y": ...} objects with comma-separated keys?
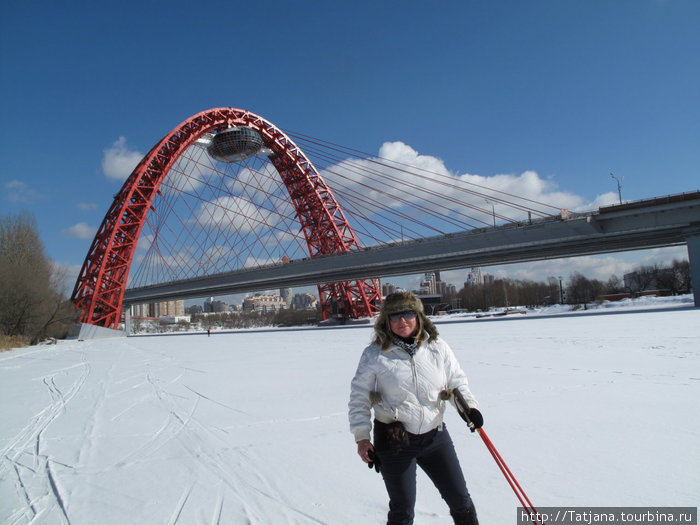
[{"x": 235, "y": 144}]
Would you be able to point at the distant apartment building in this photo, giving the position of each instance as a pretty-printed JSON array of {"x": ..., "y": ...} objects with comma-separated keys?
[
  {"x": 140, "y": 310},
  {"x": 304, "y": 301},
  {"x": 476, "y": 278},
  {"x": 388, "y": 288},
  {"x": 214, "y": 306},
  {"x": 264, "y": 303},
  {"x": 174, "y": 308},
  {"x": 433, "y": 285},
  {"x": 194, "y": 309},
  {"x": 429, "y": 284},
  {"x": 445, "y": 288}
]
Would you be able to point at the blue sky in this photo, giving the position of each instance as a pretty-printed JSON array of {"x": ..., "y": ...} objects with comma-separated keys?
[{"x": 571, "y": 90}]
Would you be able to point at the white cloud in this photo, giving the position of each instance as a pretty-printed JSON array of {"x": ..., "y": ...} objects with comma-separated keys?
[
  {"x": 599, "y": 267},
  {"x": 71, "y": 276},
  {"x": 405, "y": 154},
  {"x": 664, "y": 256},
  {"x": 258, "y": 185},
  {"x": 189, "y": 173},
  {"x": 606, "y": 199},
  {"x": 409, "y": 182},
  {"x": 118, "y": 161},
  {"x": 235, "y": 213},
  {"x": 144, "y": 243},
  {"x": 86, "y": 206},
  {"x": 18, "y": 191},
  {"x": 80, "y": 231}
]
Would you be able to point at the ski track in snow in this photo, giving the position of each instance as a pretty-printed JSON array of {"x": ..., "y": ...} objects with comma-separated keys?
[
  {"x": 252, "y": 427},
  {"x": 198, "y": 440},
  {"x": 23, "y": 458}
]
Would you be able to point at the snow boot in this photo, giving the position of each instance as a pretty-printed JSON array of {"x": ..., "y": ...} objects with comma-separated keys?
[{"x": 465, "y": 517}]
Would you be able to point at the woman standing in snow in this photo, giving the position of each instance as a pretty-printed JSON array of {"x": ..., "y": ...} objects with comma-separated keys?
[{"x": 406, "y": 375}]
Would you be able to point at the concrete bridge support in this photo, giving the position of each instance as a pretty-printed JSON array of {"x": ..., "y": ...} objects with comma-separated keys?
[
  {"x": 83, "y": 331},
  {"x": 693, "y": 241}
]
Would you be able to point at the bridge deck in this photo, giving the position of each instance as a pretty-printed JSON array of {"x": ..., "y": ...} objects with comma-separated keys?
[{"x": 654, "y": 223}]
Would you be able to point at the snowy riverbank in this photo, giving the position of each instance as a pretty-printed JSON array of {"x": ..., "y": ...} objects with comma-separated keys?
[{"x": 251, "y": 427}]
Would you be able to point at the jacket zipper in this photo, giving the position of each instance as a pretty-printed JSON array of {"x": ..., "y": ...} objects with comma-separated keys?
[{"x": 415, "y": 387}]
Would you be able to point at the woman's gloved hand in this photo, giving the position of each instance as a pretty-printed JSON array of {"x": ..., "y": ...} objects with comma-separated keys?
[
  {"x": 475, "y": 416},
  {"x": 470, "y": 415}
]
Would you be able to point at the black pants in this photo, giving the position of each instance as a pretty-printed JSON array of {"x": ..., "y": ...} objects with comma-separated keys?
[{"x": 435, "y": 454}]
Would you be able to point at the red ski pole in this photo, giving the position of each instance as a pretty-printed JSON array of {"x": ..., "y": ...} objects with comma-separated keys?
[
  {"x": 462, "y": 408},
  {"x": 510, "y": 478}
]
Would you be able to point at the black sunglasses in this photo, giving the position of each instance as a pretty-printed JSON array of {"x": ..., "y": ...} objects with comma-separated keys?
[{"x": 408, "y": 316}]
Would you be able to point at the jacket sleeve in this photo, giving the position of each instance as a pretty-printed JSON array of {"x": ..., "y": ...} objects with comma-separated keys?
[
  {"x": 360, "y": 405},
  {"x": 456, "y": 378}
]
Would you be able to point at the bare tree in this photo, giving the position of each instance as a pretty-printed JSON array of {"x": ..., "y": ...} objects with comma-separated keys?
[
  {"x": 32, "y": 302},
  {"x": 583, "y": 290},
  {"x": 681, "y": 269},
  {"x": 647, "y": 276},
  {"x": 614, "y": 285},
  {"x": 666, "y": 279}
]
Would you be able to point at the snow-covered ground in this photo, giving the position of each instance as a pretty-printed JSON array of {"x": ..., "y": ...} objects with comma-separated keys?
[{"x": 251, "y": 427}]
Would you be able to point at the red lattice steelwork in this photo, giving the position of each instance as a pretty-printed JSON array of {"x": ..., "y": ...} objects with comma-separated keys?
[{"x": 100, "y": 287}]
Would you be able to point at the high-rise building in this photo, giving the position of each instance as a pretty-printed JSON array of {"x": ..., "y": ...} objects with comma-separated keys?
[
  {"x": 286, "y": 294},
  {"x": 174, "y": 308},
  {"x": 388, "y": 288},
  {"x": 429, "y": 284},
  {"x": 474, "y": 277}
]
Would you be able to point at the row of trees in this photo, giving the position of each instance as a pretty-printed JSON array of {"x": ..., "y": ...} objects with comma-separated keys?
[
  {"x": 671, "y": 279},
  {"x": 507, "y": 292},
  {"x": 577, "y": 289},
  {"x": 33, "y": 303}
]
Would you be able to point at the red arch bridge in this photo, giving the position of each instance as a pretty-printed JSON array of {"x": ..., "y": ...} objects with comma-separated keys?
[{"x": 228, "y": 203}]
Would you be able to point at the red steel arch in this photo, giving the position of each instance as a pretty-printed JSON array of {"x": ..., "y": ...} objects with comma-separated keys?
[{"x": 100, "y": 287}]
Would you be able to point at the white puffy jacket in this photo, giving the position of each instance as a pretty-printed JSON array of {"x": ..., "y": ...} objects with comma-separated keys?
[{"x": 408, "y": 387}]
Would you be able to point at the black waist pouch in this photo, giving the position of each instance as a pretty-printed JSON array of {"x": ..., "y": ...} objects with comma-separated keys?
[{"x": 390, "y": 436}]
